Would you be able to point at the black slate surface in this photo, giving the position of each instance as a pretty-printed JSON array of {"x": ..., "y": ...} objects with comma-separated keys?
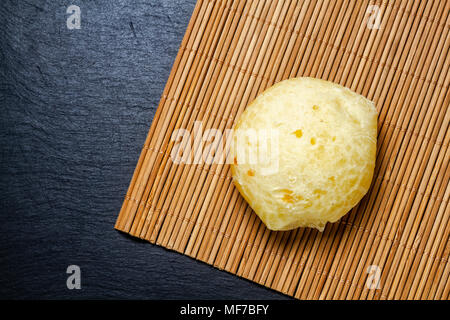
[{"x": 76, "y": 107}]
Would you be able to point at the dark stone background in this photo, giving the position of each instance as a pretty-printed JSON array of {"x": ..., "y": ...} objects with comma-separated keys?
[{"x": 76, "y": 107}]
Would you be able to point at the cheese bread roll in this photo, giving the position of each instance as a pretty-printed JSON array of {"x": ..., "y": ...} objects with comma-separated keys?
[{"x": 303, "y": 153}]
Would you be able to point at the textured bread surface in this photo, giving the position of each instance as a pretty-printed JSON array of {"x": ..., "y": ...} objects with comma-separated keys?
[{"x": 323, "y": 160}]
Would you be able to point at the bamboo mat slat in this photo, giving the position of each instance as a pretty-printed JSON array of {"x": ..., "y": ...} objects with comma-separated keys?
[{"x": 234, "y": 49}]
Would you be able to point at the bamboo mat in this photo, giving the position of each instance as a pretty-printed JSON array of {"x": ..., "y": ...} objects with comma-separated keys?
[{"x": 233, "y": 50}]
